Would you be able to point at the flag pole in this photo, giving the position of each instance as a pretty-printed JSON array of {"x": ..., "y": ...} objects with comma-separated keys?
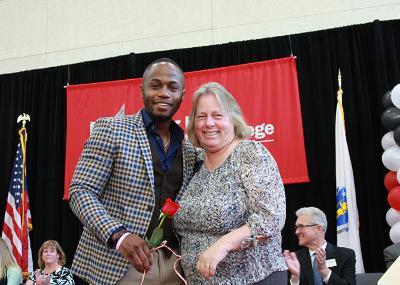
[
  {"x": 340, "y": 90},
  {"x": 347, "y": 221},
  {"x": 23, "y": 137},
  {"x": 339, "y": 94}
]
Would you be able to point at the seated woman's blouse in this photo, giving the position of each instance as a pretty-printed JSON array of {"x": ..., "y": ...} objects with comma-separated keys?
[
  {"x": 245, "y": 189},
  {"x": 14, "y": 275},
  {"x": 61, "y": 276}
]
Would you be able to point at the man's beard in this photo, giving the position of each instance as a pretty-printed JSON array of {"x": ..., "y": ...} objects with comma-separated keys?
[{"x": 160, "y": 118}]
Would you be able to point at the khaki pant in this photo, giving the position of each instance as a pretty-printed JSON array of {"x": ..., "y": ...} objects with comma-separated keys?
[{"x": 162, "y": 272}]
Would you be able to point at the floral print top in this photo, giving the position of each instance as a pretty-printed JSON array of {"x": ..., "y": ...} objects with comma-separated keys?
[
  {"x": 61, "y": 276},
  {"x": 245, "y": 189}
]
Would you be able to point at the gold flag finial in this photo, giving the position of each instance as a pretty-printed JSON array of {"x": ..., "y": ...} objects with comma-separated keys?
[
  {"x": 24, "y": 117},
  {"x": 339, "y": 77}
]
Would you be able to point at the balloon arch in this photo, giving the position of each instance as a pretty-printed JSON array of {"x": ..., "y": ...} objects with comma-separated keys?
[{"x": 391, "y": 158}]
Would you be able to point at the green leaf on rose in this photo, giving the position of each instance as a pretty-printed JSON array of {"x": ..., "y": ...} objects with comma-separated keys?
[{"x": 156, "y": 237}]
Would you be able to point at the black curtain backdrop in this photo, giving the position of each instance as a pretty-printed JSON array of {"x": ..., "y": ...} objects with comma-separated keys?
[{"x": 368, "y": 56}]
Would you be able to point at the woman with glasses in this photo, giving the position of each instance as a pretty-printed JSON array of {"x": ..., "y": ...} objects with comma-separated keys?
[{"x": 233, "y": 210}]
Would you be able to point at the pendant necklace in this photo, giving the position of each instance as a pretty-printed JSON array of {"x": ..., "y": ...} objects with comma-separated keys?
[{"x": 167, "y": 143}]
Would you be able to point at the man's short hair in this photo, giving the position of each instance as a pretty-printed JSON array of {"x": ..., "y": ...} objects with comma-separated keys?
[
  {"x": 317, "y": 216},
  {"x": 167, "y": 60}
]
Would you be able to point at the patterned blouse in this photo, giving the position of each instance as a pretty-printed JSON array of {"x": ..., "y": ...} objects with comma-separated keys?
[
  {"x": 61, "y": 276},
  {"x": 245, "y": 189}
]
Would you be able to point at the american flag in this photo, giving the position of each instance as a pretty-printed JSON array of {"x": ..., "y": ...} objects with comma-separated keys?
[{"x": 17, "y": 219}]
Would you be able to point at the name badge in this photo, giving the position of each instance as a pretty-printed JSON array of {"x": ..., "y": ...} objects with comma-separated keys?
[{"x": 330, "y": 262}]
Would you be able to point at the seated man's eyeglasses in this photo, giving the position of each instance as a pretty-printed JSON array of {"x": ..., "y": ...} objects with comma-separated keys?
[{"x": 300, "y": 227}]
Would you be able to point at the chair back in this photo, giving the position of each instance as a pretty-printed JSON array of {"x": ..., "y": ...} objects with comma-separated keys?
[{"x": 368, "y": 278}]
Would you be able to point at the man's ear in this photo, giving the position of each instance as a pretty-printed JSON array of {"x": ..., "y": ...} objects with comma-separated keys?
[
  {"x": 142, "y": 90},
  {"x": 183, "y": 93}
]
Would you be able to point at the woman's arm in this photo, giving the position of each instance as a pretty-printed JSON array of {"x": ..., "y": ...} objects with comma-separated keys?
[{"x": 264, "y": 188}]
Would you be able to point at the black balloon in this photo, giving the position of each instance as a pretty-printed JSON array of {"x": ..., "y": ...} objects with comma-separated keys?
[
  {"x": 396, "y": 135},
  {"x": 391, "y": 118},
  {"x": 387, "y": 100}
]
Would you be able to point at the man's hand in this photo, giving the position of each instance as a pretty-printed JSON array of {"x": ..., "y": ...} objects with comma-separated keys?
[
  {"x": 320, "y": 255},
  {"x": 135, "y": 249},
  {"x": 293, "y": 265}
]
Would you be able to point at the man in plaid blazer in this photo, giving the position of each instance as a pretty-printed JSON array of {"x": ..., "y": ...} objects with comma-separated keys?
[{"x": 128, "y": 167}]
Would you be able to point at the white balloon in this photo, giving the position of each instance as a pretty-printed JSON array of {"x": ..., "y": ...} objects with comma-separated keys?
[
  {"x": 392, "y": 216},
  {"x": 395, "y": 233},
  {"x": 398, "y": 175},
  {"x": 396, "y": 96},
  {"x": 391, "y": 158},
  {"x": 388, "y": 140}
]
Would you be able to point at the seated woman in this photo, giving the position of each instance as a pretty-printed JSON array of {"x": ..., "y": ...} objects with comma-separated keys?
[
  {"x": 10, "y": 273},
  {"x": 51, "y": 260},
  {"x": 234, "y": 208}
]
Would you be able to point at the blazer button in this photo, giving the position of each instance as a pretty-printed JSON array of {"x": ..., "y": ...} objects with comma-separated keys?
[{"x": 149, "y": 208}]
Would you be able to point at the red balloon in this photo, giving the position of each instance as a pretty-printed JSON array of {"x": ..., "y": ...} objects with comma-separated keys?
[
  {"x": 390, "y": 180},
  {"x": 394, "y": 198}
]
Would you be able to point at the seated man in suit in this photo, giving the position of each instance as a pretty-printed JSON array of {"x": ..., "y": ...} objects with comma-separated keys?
[
  {"x": 318, "y": 262},
  {"x": 391, "y": 253}
]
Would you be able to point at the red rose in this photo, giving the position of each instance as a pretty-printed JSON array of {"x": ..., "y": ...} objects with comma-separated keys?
[{"x": 170, "y": 208}]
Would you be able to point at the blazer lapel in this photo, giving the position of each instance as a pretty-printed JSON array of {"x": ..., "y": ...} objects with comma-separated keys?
[
  {"x": 331, "y": 254},
  {"x": 330, "y": 251},
  {"x": 189, "y": 159},
  {"x": 306, "y": 266},
  {"x": 141, "y": 137}
]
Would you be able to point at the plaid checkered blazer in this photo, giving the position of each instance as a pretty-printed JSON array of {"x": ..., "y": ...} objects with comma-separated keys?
[{"x": 113, "y": 186}]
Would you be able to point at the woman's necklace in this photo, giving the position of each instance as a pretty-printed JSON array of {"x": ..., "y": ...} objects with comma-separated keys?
[{"x": 167, "y": 143}]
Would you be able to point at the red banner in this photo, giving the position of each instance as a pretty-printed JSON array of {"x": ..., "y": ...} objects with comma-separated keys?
[{"x": 267, "y": 92}]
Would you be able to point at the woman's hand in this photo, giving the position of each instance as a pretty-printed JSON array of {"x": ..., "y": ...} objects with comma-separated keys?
[
  {"x": 42, "y": 279},
  {"x": 210, "y": 258}
]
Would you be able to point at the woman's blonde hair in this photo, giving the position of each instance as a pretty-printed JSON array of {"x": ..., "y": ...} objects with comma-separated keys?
[
  {"x": 51, "y": 244},
  {"x": 228, "y": 104},
  {"x": 6, "y": 259}
]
